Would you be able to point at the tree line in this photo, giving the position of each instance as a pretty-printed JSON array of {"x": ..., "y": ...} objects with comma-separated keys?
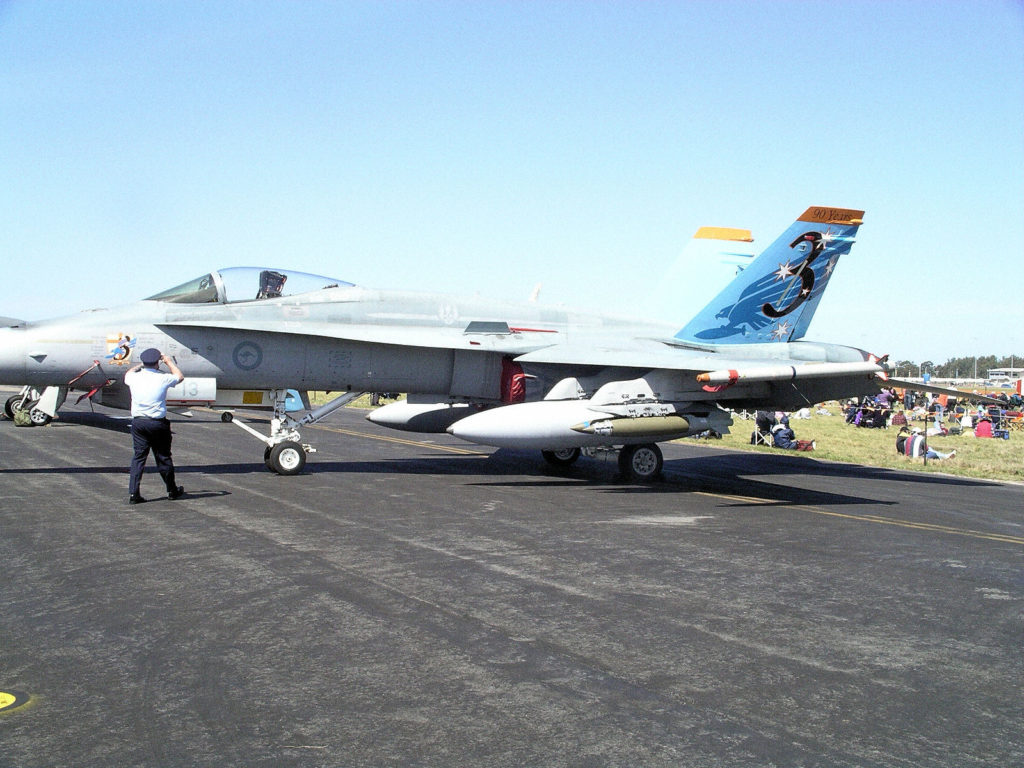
[{"x": 957, "y": 367}]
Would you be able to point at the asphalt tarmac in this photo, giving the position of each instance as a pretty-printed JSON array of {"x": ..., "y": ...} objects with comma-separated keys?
[{"x": 423, "y": 602}]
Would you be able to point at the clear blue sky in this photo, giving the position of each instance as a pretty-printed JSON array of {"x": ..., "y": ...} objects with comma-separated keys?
[{"x": 485, "y": 147}]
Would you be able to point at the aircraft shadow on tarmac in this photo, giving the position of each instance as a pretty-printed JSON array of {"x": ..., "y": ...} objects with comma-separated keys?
[
  {"x": 731, "y": 472},
  {"x": 728, "y": 463},
  {"x": 679, "y": 476},
  {"x": 97, "y": 420},
  {"x": 719, "y": 471},
  {"x": 722, "y": 473}
]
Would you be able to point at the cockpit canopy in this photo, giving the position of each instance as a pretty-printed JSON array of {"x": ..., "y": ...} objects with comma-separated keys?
[{"x": 227, "y": 286}]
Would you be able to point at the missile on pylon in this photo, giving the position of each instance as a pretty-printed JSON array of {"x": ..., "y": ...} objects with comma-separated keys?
[
  {"x": 554, "y": 425},
  {"x": 787, "y": 372}
]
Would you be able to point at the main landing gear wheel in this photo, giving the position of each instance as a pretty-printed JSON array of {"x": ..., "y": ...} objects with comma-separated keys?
[
  {"x": 564, "y": 457},
  {"x": 287, "y": 458},
  {"x": 9, "y": 406},
  {"x": 641, "y": 463}
]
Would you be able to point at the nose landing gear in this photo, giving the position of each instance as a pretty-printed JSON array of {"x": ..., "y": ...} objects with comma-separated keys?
[
  {"x": 285, "y": 454},
  {"x": 24, "y": 405}
]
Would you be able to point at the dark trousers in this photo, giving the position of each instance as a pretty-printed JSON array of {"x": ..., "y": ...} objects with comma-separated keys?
[{"x": 151, "y": 435}]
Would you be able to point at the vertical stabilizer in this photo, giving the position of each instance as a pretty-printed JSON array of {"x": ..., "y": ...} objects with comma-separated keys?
[{"x": 775, "y": 297}]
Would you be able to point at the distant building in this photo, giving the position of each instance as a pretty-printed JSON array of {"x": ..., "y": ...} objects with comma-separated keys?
[{"x": 998, "y": 375}]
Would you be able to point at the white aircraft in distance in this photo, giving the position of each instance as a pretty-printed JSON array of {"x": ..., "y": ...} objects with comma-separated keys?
[{"x": 502, "y": 374}]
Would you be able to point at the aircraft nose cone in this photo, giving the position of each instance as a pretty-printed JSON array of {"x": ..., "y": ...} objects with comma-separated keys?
[{"x": 12, "y": 356}]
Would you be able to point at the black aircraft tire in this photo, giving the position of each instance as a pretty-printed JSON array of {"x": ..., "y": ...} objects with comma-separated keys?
[
  {"x": 564, "y": 457},
  {"x": 9, "y": 406},
  {"x": 287, "y": 458},
  {"x": 641, "y": 463},
  {"x": 266, "y": 459}
]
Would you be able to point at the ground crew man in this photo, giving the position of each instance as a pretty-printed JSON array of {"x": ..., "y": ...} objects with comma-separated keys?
[{"x": 150, "y": 428}]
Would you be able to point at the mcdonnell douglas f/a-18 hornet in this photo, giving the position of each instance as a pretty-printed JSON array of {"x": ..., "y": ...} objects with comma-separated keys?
[{"x": 500, "y": 374}]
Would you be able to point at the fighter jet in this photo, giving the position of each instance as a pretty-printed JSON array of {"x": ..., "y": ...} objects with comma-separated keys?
[{"x": 492, "y": 373}]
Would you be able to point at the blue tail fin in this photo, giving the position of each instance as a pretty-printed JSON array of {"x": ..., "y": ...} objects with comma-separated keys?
[{"x": 775, "y": 297}]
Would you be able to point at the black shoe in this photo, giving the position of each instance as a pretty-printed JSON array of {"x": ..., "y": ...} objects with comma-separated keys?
[
  {"x": 177, "y": 493},
  {"x": 136, "y": 499}
]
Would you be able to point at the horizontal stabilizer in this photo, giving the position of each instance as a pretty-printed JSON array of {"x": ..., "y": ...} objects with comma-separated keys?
[
  {"x": 919, "y": 387},
  {"x": 724, "y": 233}
]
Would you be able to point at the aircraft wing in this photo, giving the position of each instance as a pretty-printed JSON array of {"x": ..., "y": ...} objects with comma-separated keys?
[
  {"x": 712, "y": 366},
  {"x": 545, "y": 348},
  {"x": 709, "y": 366}
]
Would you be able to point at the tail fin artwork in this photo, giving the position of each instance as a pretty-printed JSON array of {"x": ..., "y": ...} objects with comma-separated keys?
[{"x": 775, "y": 297}]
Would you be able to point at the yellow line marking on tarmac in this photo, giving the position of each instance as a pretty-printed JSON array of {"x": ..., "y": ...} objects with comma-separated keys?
[
  {"x": 731, "y": 497},
  {"x": 12, "y": 700},
  {"x": 878, "y": 519}
]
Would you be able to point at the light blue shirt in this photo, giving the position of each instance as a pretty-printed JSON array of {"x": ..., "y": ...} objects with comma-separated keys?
[{"x": 149, "y": 391}]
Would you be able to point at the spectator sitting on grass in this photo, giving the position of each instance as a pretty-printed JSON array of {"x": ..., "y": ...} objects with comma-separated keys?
[
  {"x": 914, "y": 445},
  {"x": 783, "y": 435}
]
